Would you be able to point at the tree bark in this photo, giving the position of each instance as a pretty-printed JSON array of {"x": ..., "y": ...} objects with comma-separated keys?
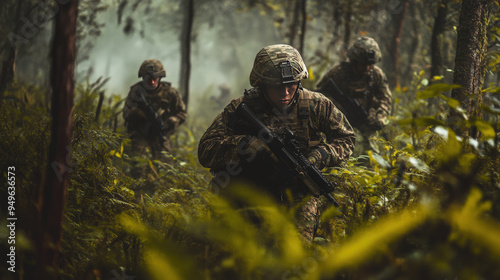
[
  {"x": 9, "y": 64},
  {"x": 8, "y": 69},
  {"x": 188, "y": 9},
  {"x": 396, "y": 42},
  {"x": 294, "y": 22},
  {"x": 347, "y": 27},
  {"x": 437, "y": 40},
  {"x": 52, "y": 192},
  {"x": 416, "y": 41},
  {"x": 470, "y": 60},
  {"x": 303, "y": 8}
]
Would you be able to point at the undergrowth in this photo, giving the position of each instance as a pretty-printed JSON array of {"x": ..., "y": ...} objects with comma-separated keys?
[{"x": 424, "y": 206}]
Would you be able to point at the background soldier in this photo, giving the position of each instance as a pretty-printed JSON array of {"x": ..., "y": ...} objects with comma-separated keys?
[
  {"x": 223, "y": 97},
  {"x": 279, "y": 101},
  {"x": 153, "y": 110},
  {"x": 366, "y": 84}
]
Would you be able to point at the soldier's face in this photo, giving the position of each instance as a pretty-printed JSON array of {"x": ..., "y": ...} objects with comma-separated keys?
[
  {"x": 363, "y": 68},
  {"x": 152, "y": 82},
  {"x": 281, "y": 95}
]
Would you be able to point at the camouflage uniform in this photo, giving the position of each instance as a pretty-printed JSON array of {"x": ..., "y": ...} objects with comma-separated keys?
[
  {"x": 370, "y": 89},
  {"x": 322, "y": 132},
  {"x": 166, "y": 104}
]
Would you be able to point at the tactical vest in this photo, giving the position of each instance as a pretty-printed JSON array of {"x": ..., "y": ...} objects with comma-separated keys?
[
  {"x": 297, "y": 118},
  {"x": 361, "y": 89}
]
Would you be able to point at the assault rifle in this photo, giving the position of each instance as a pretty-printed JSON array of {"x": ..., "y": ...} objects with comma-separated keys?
[
  {"x": 356, "y": 114},
  {"x": 153, "y": 117},
  {"x": 290, "y": 158}
]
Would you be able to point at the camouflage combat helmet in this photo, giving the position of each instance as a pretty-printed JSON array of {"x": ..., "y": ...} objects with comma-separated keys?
[
  {"x": 152, "y": 67},
  {"x": 276, "y": 65},
  {"x": 364, "y": 50}
]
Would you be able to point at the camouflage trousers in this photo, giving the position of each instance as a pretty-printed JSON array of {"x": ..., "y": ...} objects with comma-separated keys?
[
  {"x": 145, "y": 150},
  {"x": 149, "y": 147},
  {"x": 307, "y": 219}
]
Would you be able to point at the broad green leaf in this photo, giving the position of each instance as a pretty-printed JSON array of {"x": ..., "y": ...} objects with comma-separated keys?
[
  {"x": 435, "y": 90},
  {"x": 330, "y": 213},
  {"x": 452, "y": 148},
  {"x": 367, "y": 243},
  {"x": 428, "y": 121},
  {"x": 311, "y": 74},
  {"x": 160, "y": 267},
  {"x": 485, "y": 128},
  {"x": 437, "y": 78},
  {"x": 421, "y": 122},
  {"x": 418, "y": 164},
  {"x": 453, "y": 103},
  {"x": 381, "y": 161}
]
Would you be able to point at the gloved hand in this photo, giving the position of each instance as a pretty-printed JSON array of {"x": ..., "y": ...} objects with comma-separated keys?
[
  {"x": 252, "y": 147},
  {"x": 256, "y": 144},
  {"x": 317, "y": 157},
  {"x": 172, "y": 122},
  {"x": 375, "y": 120}
]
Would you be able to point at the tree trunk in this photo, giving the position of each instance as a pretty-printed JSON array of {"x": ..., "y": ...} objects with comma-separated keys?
[
  {"x": 9, "y": 64},
  {"x": 470, "y": 60},
  {"x": 415, "y": 12},
  {"x": 396, "y": 42},
  {"x": 8, "y": 69},
  {"x": 52, "y": 192},
  {"x": 303, "y": 8},
  {"x": 347, "y": 27},
  {"x": 294, "y": 23},
  {"x": 437, "y": 40},
  {"x": 188, "y": 8}
]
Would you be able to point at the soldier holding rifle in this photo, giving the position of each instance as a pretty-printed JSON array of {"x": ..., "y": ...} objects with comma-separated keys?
[
  {"x": 152, "y": 111},
  {"x": 296, "y": 124},
  {"x": 360, "y": 89}
]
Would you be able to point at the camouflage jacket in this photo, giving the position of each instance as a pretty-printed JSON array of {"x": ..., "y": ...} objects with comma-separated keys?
[
  {"x": 165, "y": 101},
  {"x": 323, "y": 127},
  {"x": 371, "y": 91}
]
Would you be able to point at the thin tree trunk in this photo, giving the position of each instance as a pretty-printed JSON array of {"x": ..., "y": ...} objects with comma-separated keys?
[
  {"x": 8, "y": 69},
  {"x": 397, "y": 42},
  {"x": 99, "y": 106},
  {"x": 437, "y": 40},
  {"x": 9, "y": 64},
  {"x": 294, "y": 23},
  {"x": 416, "y": 41},
  {"x": 52, "y": 192},
  {"x": 303, "y": 8},
  {"x": 347, "y": 27},
  {"x": 188, "y": 8},
  {"x": 470, "y": 60}
]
